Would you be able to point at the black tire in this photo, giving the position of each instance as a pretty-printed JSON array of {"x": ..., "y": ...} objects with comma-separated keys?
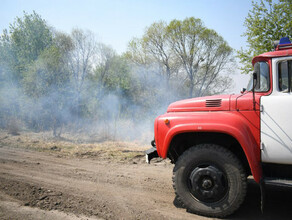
[{"x": 209, "y": 180}]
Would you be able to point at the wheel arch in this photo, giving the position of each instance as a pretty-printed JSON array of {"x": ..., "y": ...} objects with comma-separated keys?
[{"x": 183, "y": 141}]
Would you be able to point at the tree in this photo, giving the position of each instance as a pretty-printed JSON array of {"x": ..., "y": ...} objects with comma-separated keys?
[
  {"x": 46, "y": 82},
  {"x": 20, "y": 47},
  {"x": 7, "y": 59},
  {"x": 81, "y": 62},
  {"x": 156, "y": 43},
  {"x": 185, "y": 49},
  {"x": 111, "y": 76},
  {"x": 266, "y": 22},
  {"x": 82, "y": 55},
  {"x": 217, "y": 57},
  {"x": 203, "y": 54},
  {"x": 136, "y": 52},
  {"x": 154, "y": 47},
  {"x": 29, "y": 36}
]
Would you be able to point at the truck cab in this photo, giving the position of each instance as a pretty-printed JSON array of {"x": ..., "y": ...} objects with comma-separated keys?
[{"x": 216, "y": 142}]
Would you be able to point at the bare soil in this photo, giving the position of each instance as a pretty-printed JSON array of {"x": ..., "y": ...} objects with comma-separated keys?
[{"x": 61, "y": 179}]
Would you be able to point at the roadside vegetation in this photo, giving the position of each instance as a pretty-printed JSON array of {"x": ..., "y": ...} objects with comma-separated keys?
[
  {"x": 70, "y": 82},
  {"x": 266, "y": 22},
  {"x": 57, "y": 82}
]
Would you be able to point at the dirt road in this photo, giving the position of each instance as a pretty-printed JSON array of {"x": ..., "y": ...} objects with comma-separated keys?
[{"x": 38, "y": 185}]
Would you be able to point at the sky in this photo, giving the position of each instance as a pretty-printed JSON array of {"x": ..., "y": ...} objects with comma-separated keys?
[{"x": 116, "y": 22}]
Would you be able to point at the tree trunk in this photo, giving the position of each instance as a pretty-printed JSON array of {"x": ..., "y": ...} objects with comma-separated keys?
[
  {"x": 191, "y": 89},
  {"x": 167, "y": 77}
]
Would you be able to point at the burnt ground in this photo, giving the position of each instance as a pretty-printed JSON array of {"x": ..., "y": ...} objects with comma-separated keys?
[{"x": 52, "y": 185}]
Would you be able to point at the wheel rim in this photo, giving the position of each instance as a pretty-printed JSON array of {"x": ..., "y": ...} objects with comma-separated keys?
[{"x": 207, "y": 183}]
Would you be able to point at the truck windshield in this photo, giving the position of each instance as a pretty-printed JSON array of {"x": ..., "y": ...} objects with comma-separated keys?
[{"x": 263, "y": 78}]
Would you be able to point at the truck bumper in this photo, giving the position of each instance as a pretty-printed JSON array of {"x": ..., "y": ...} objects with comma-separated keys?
[{"x": 150, "y": 154}]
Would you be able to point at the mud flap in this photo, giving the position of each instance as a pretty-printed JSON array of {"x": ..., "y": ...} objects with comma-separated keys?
[{"x": 150, "y": 154}]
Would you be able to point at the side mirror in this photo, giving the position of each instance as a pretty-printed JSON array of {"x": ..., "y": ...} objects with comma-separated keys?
[
  {"x": 242, "y": 90},
  {"x": 255, "y": 80}
]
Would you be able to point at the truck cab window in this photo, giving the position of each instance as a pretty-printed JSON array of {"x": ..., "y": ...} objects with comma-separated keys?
[
  {"x": 263, "y": 77},
  {"x": 284, "y": 76}
]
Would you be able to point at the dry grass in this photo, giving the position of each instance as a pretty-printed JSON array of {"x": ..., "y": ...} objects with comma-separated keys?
[{"x": 74, "y": 145}]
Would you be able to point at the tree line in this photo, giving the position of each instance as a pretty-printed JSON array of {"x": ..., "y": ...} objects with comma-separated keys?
[
  {"x": 50, "y": 79},
  {"x": 265, "y": 23}
]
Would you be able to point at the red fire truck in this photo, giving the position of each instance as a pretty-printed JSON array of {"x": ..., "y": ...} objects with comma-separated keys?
[{"x": 216, "y": 142}]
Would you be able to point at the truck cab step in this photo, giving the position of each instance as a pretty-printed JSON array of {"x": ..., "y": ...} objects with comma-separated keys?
[{"x": 278, "y": 182}]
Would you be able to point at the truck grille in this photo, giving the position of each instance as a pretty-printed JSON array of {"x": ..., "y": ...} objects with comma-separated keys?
[{"x": 213, "y": 103}]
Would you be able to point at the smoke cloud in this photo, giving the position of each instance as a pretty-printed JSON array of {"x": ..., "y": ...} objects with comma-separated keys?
[
  {"x": 70, "y": 83},
  {"x": 96, "y": 111}
]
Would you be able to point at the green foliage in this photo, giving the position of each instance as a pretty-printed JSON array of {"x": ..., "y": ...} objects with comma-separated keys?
[
  {"x": 137, "y": 53},
  {"x": 46, "y": 72},
  {"x": 112, "y": 77},
  {"x": 49, "y": 79},
  {"x": 25, "y": 40},
  {"x": 29, "y": 36},
  {"x": 266, "y": 22},
  {"x": 7, "y": 58},
  {"x": 33, "y": 63},
  {"x": 184, "y": 50}
]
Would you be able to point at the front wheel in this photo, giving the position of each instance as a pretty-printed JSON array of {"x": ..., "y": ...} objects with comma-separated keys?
[{"x": 209, "y": 180}]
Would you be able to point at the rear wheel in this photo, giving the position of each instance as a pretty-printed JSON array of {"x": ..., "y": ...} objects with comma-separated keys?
[{"x": 209, "y": 180}]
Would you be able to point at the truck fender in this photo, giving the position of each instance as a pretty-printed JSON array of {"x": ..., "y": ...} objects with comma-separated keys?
[{"x": 241, "y": 132}]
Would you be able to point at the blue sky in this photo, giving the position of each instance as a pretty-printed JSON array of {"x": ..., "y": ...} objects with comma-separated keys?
[{"x": 116, "y": 22}]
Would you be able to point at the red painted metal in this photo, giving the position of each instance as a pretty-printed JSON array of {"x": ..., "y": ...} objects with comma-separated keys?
[
  {"x": 237, "y": 120},
  {"x": 269, "y": 55},
  {"x": 233, "y": 115}
]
